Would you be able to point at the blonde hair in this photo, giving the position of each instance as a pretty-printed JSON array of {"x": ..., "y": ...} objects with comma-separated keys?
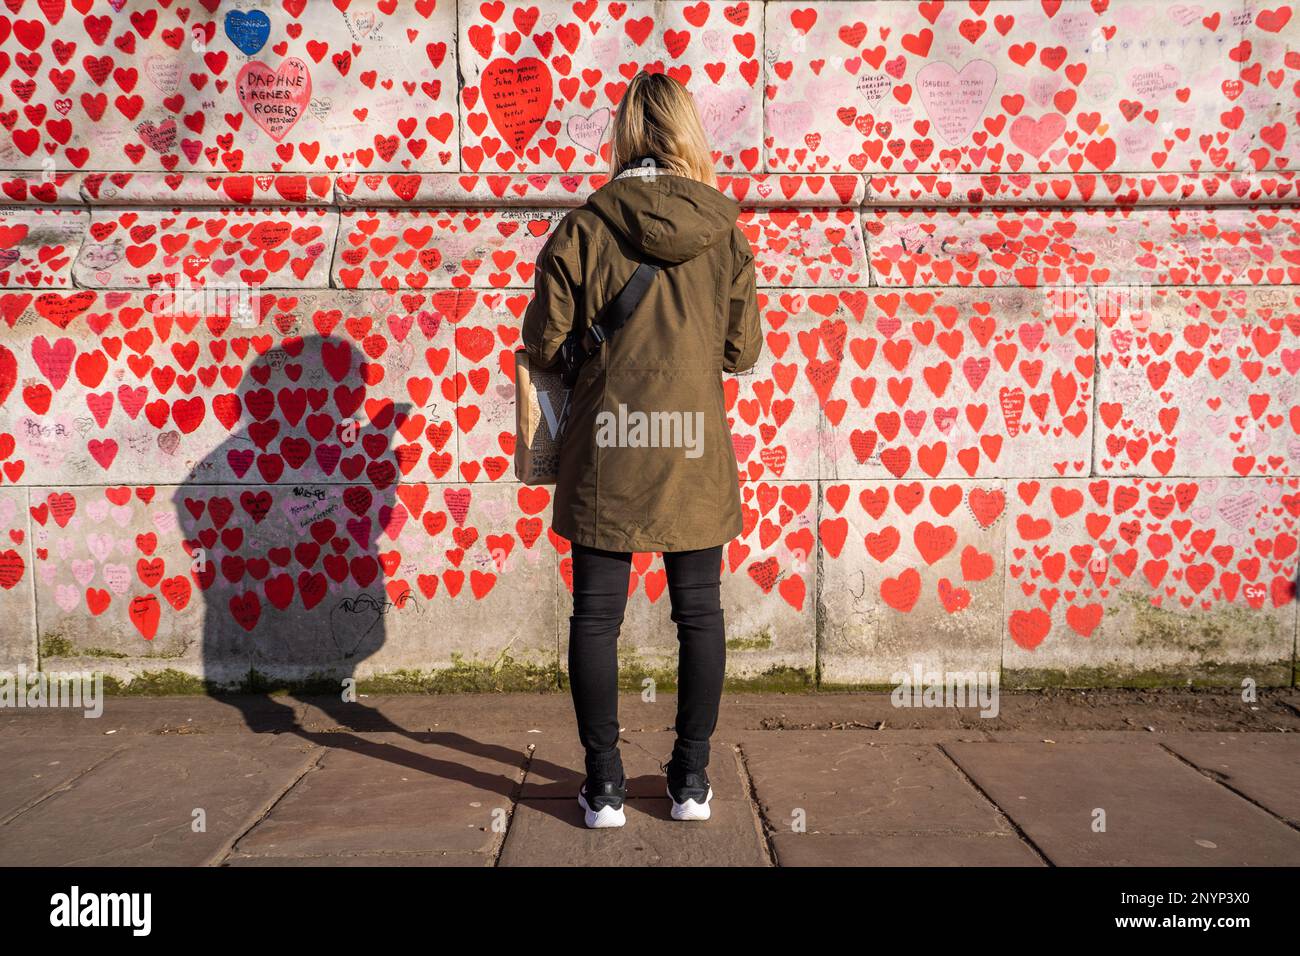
[{"x": 657, "y": 117}]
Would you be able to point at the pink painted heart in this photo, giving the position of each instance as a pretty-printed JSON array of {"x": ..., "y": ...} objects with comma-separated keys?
[
  {"x": 54, "y": 361},
  {"x": 276, "y": 99},
  {"x": 1034, "y": 136},
  {"x": 955, "y": 101},
  {"x": 159, "y": 137}
]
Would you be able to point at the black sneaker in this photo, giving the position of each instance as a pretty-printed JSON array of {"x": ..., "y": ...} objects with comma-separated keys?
[
  {"x": 602, "y": 802},
  {"x": 690, "y": 793}
]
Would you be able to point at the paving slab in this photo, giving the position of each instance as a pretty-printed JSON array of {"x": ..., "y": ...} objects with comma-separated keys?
[
  {"x": 557, "y": 770},
  {"x": 506, "y": 713},
  {"x": 553, "y": 710},
  {"x": 1262, "y": 768},
  {"x": 1157, "y": 809},
  {"x": 835, "y": 782},
  {"x": 1062, "y": 736},
  {"x": 1200, "y": 710},
  {"x": 366, "y": 859},
  {"x": 551, "y": 833},
  {"x": 150, "y": 716},
  {"x": 389, "y": 793},
  {"x": 547, "y": 827},
  {"x": 33, "y": 772},
  {"x": 1030, "y": 714},
  {"x": 830, "y": 711},
  {"x": 1040, "y": 714},
  {"x": 902, "y": 849},
  {"x": 414, "y": 780},
  {"x": 137, "y": 808}
]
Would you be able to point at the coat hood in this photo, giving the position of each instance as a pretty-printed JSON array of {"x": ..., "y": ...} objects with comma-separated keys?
[{"x": 668, "y": 217}]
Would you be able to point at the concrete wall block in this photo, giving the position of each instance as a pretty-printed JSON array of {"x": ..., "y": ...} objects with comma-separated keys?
[
  {"x": 113, "y": 581},
  {"x": 293, "y": 581},
  {"x": 493, "y": 602},
  {"x": 904, "y": 87},
  {"x": 450, "y": 190},
  {"x": 17, "y": 596},
  {"x": 911, "y": 576},
  {"x": 807, "y": 247},
  {"x": 1115, "y": 580},
  {"x": 234, "y": 247},
  {"x": 41, "y": 189},
  {"x": 952, "y": 208},
  {"x": 1130, "y": 85},
  {"x": 121, "y": 387},
  {"x": 954, "y": 383},
  {"x": 1082, "y": 247},
  {"x": 398, "y": 249},
  {"x": 1198, "y": 382},
  {"x": 772, "y": 408},
  {"x": 565, "y": 190},
  {"x": 1081, "y": 189},
  {"x": 769, "y": 587},
  {"x": 540, "y": 85},
  {"x": 38, "y": 246},
  {"x": 233, "y": 89},
  {"x": 230, "y": 189}
]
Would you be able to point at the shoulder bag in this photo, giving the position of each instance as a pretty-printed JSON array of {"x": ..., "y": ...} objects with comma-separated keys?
[{"x": 542, "y": 396}]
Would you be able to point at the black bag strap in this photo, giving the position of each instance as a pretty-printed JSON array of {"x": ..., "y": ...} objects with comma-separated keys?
[
  {"x": 612, "y": 317},
  {"x": 616, "y": 313}
]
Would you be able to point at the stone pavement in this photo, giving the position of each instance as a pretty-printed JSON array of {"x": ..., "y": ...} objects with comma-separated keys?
[{"x": 1192, "y": 778}]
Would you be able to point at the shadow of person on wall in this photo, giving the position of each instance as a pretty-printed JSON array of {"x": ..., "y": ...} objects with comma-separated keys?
[{"x": 293, "y": 574}]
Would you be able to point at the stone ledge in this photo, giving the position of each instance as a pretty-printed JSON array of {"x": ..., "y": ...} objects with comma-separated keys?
[{"x": 551, "y": 189}]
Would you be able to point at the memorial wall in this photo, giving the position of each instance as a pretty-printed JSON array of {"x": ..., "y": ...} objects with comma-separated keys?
[{"x": 1029, "y": 278}]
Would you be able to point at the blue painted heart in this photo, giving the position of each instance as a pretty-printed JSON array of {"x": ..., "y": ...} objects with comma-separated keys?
[{"x": 248, "y": 31}]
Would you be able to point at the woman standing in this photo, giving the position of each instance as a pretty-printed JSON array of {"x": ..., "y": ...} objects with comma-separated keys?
[{"x": 647, "y": 462}]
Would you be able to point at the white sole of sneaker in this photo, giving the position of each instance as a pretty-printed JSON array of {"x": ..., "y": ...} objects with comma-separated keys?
[
  {"x": 691, "y": 810},
  {"x": 603, "y": 818}
]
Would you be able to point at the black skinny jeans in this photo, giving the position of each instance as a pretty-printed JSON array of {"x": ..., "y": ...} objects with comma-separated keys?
[{"x": 600, "y": 585}]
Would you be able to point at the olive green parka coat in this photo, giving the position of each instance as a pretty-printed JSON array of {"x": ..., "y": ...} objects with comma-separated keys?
[{"x": 630, "y": 479}]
